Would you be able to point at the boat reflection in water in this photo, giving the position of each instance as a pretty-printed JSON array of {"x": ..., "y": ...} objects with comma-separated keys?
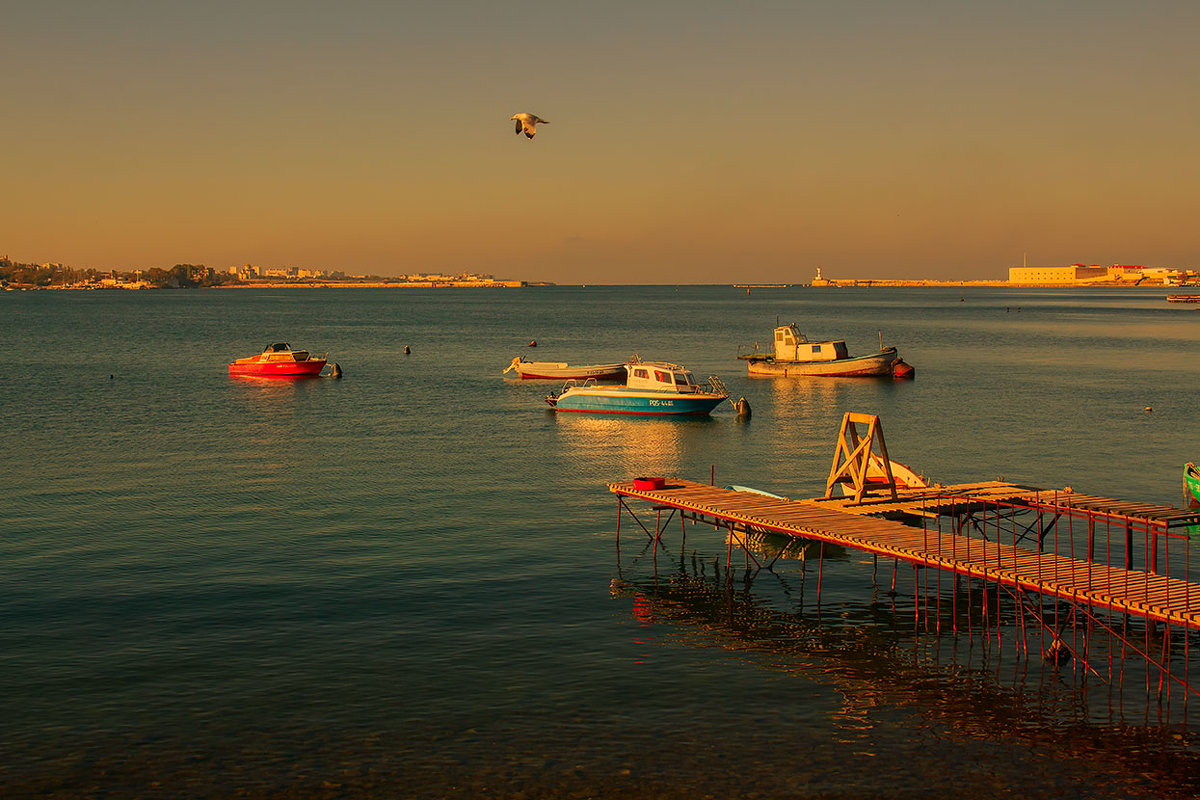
[{"x": 641, "y": 445}]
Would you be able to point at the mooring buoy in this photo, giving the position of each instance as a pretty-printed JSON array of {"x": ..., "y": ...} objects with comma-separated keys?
[
  {"x": 406, "y": 350},
  {"x": 743, "y": 408},
  {"x": 335, "y": 371}
]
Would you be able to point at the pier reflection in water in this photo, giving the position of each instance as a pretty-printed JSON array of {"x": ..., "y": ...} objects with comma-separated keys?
[{"x": 948, "y": 651}]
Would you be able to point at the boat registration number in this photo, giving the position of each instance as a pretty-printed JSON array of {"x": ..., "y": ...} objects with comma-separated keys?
[{"x": 662, "y": 402}]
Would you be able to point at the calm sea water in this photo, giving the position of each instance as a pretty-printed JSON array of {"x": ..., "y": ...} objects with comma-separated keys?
[{"x": 404, "y": 583}]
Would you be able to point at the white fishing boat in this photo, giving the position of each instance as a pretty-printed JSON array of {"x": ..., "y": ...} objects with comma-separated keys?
[
  {"x": 794, "y": 355},
  {"x": 561, "y": 370}
]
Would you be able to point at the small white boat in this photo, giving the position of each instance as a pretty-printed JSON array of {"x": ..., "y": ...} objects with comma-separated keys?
[
  {"x": 652, "y": 388},
  {"x": 794, "y": 355},
  {"x": 904, "y": 475},
  {"x": 561, "y": 370},
  {"x": 733, "y": 487}
]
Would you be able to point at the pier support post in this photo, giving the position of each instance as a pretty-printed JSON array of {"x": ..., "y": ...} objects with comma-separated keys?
[
  {"x": 820, "y": 572},
  {"x": 1128, "y": 546},
  {"x": 620, "y": 502}
]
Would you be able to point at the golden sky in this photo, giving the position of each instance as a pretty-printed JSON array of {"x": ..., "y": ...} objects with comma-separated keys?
[{"x": 689, "y": 141}]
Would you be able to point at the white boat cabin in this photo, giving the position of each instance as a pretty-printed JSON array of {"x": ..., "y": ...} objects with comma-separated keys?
[
  {"x": 791, "y": 345},
  {"x": 281, "y": 351},
  {"x": 660, "y": 376}
]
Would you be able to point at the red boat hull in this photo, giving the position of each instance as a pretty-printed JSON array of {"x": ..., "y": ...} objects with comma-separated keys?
[{"x": 279, "y": 369}]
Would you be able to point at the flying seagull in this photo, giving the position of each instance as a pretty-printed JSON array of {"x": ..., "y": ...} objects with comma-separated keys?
[{"x": 525, "y": 123}]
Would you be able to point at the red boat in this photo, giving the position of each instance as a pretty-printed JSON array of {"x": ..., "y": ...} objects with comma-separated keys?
[{"x": 279, "y": 360}]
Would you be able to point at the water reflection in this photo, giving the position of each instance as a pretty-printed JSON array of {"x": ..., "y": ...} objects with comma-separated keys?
[
  {"x": 769, "y": 547},
  {"x": 638, "y": 444},
  {"x": 828, "y": 391},
  {"x": 818, "y": 403},
  {"x": 879, "y": 666},
  {"x": 273, "y": 395}
]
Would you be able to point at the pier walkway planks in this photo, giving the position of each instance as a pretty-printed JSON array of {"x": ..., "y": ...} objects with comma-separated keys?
[{"x": 1139, "y": 593}]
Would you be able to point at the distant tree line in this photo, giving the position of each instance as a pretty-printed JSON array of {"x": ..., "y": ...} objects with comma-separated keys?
[
  {"x": 38, "y": 275},
  {"x": 181, "y": 276},
  {"x": 186, "y": 276}
]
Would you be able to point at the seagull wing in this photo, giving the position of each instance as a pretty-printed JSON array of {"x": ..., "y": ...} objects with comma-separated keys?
[{"x": 526, "y": 122}]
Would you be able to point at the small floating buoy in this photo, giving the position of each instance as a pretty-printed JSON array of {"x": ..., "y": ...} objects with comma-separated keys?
[
  {"x": 335, "y": 371},
  {"x": 110, "y": 377},
  {"x": 406, "y": 350},
  {"x": 743, "y": 408},
  {"x": 533, "y": 343},
  {"x": 902, "y": 370},
  {"x": 1149, "y": 409}
]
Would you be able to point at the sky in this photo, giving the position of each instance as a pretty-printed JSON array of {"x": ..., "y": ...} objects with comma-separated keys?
[{"x": 689, "y": 141}]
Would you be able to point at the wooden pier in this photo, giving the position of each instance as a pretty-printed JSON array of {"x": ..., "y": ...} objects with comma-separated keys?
[
  {"x": 1101, "y": 560},
  {"x": 1138, "y": 592}
]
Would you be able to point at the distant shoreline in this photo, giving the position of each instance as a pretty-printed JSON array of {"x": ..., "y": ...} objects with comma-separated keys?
[
  {"x": 136, "y": 286},
  {"x": 386, "y": 284},
  {"x": 844, "y": 283},
  {"x": 376, "y": 285}
]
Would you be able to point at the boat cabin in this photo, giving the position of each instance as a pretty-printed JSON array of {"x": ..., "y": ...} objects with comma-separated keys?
[
  {"x": 282, "y": 351},
  {"x": 792, "y": 345},
  {"x": 660, "y": 376}
]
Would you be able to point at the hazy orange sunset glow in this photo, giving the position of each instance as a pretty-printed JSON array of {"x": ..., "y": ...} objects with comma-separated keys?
[{"x": 688, "y": 142}]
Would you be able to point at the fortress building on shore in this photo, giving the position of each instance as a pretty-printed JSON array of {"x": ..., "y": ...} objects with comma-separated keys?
[
  {"x": 1073, "y": 275},
  {"x": 1095, "y": 275}
]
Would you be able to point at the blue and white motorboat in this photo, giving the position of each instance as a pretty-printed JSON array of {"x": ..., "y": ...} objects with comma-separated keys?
[{"x": 652, "y": 388}]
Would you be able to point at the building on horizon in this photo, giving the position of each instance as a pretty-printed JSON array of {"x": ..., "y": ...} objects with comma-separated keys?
[
  {"x": 1072, "y": 274},
  {"x": 1117, "y": 274}
]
